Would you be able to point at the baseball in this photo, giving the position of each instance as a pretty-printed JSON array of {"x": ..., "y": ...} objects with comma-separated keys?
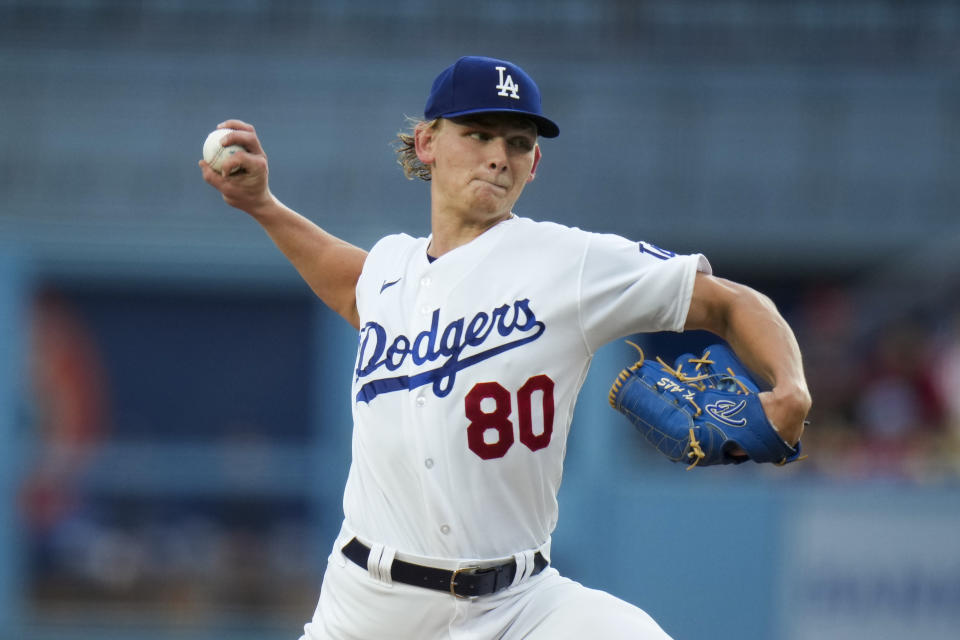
[{"x": 214, "y": 153}]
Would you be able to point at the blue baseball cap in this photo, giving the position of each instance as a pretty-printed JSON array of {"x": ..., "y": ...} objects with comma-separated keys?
[{"x": 474, "y": 84}]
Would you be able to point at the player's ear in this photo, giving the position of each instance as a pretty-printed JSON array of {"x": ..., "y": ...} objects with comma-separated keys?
[
  {"x": 423, "y": 138},
  {"x": 536, "y": 161}
]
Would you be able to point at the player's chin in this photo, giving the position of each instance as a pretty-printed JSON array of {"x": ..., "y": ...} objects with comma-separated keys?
[{"x": 486, "y": 204}]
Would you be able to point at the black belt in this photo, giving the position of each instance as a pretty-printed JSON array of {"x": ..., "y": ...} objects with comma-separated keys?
[{"x": 463, "y": 583}]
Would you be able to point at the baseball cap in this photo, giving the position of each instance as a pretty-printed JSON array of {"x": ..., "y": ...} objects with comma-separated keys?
[{"x": 475, "y": 84}]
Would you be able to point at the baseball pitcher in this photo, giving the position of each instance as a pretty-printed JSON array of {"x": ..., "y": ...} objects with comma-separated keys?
[{"x": 473, "y": 345}]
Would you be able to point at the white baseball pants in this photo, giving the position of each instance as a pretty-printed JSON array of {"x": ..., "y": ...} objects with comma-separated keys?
[{"x": 355, "y": 605}]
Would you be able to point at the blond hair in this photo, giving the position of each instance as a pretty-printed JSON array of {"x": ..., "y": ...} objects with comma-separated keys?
[{"x": 406, "y": 148}]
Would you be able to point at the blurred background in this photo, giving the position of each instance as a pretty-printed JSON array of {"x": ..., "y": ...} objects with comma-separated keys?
[{"x": 174, "y": 404}]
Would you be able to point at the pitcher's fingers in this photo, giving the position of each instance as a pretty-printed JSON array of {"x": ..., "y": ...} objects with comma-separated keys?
[
  {"x": 235, "y": 164},
  {"x": 246, "y": 139},
  {"x": 210, "y": 176}
]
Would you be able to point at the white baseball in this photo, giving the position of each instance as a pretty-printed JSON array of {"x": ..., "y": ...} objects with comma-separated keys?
[{"x": 214, "y": 153}]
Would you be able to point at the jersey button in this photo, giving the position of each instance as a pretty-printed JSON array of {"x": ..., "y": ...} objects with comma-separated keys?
[
  {"x": 425, "y": 281},
  {"x": 445, "y": 529},
  {"x": 428, "y": 463},
  {"x": 421, "y": 401},
  {"x": 424, "y": 311}
]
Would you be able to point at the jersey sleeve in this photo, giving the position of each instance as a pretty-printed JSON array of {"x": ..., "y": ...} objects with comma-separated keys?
[{"x": 631, "y": 287}]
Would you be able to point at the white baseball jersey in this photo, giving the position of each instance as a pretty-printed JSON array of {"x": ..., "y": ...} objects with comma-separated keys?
[{"x": 467, "y": 371}]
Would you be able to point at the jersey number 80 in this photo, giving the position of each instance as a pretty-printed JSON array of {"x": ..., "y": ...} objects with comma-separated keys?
[{"x": 497, "y": 419}]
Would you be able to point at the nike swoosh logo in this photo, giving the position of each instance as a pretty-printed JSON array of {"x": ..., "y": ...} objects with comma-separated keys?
[{"x": 387, "y": 285}]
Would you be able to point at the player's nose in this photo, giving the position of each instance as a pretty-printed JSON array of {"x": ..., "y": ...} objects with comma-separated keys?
[{"x": 497, "y": 158}]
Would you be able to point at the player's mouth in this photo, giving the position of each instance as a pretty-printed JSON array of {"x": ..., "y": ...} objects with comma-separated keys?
[{"x": 491, "y": 183}]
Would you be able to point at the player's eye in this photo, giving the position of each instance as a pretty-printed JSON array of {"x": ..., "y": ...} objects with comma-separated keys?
[
  {"x": 480, "y": 135},
  {"x": 522, "y": 143}
]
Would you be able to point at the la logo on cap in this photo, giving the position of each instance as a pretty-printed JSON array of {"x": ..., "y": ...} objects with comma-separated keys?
[
  {"x": 470, "y": 86},
  {"x": 508, "y": 88}
]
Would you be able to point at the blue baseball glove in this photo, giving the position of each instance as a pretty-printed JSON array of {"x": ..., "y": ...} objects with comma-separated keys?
[{"x": 700, "y": 410}]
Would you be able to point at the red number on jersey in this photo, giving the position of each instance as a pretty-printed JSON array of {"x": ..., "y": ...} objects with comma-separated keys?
[
  {"x": 497, "y": 418},
  {"x": 525, "y": 411},
  {"x": 482, "y": 421}
]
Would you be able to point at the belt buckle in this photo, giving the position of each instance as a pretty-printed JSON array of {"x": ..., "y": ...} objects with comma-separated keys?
[{"x": 453, "y": 580}]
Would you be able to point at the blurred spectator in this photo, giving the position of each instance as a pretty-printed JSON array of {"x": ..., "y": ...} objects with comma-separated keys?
[
  {"x": 70, "y": 400},
  {"x": 899, "y": 408}
]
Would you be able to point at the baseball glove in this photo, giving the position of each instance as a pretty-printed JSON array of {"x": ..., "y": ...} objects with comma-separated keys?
[{"x": 700, "y": 409}]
